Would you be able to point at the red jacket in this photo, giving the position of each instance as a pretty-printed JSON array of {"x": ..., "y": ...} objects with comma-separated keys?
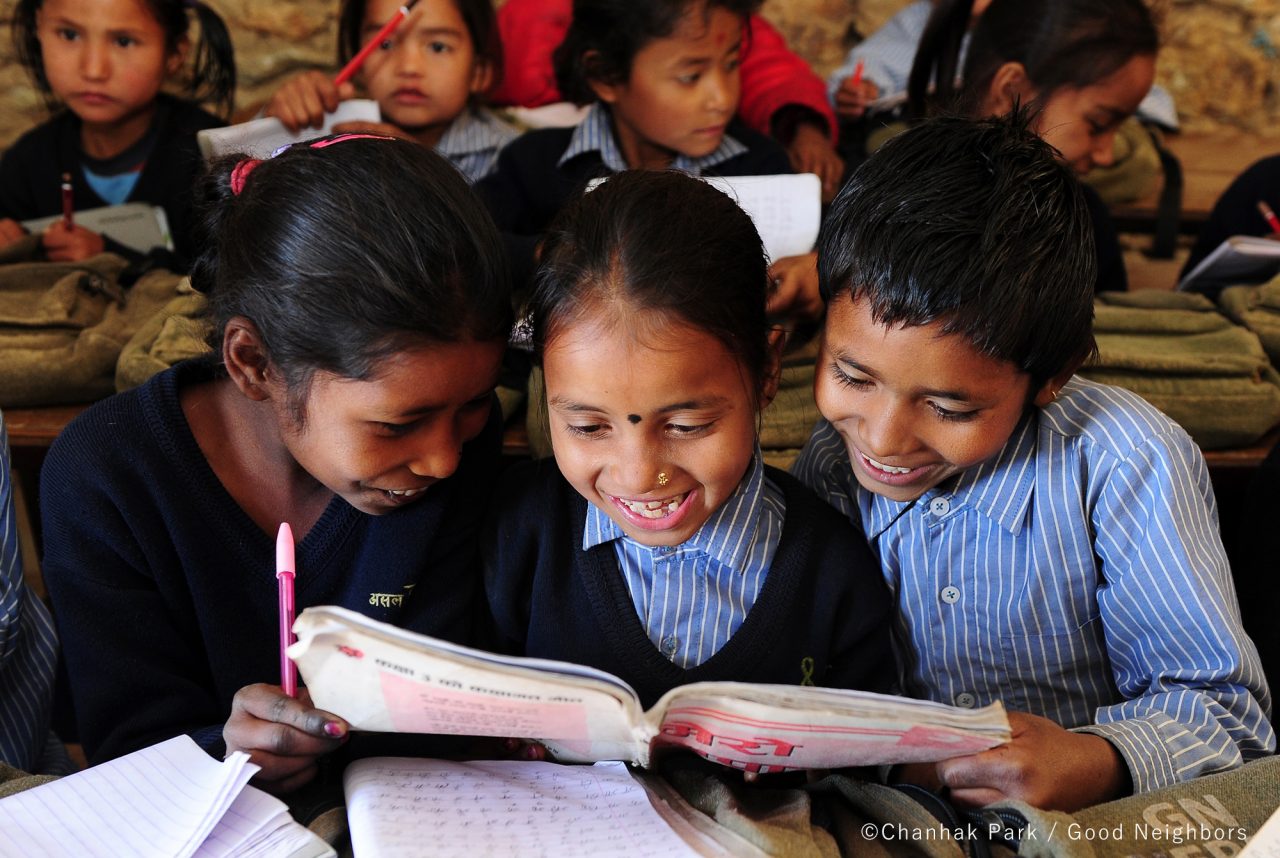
[{"x": 772, "y": 76}]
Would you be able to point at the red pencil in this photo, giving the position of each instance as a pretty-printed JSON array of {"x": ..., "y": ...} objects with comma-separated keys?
[
  {"x": 349, "y": 70},
  {"x": 1269, "y": 216},
  {"x": 856, "y": 78},
  {"x": 68, "y": 203}
]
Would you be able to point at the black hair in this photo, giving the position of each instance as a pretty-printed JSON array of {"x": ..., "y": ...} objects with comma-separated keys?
[
  {"x": 976, "y": 225},
  {"x": 658, "y": 241},
  {"x": 478, "y": 15},
  {"x": 212, "y": 76},
  {"x": 1060, "y": 43},
  {"x": 605, "y": 36},
  {"x": 343, "y": 254}
]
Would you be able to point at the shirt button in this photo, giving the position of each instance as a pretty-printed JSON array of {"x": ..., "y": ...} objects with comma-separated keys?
[
  {"x": 950, "y": 595},
  {"x": 965, "y": 700},
  {"x": 669, "y": 644},
  {"x": 939, "y": 506},
  {"x": 664, "y": 550}
]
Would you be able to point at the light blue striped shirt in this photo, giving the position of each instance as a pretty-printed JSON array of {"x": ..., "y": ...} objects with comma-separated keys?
[
  {"x": 1078, "y": 575},
  {"x": 691, "y": 598},
  {"x": 473, "y": 140},
  {"x": 595, "y": 134},
  {"x": 28, "y": 647},
  {"x": 888, "y": 54}
]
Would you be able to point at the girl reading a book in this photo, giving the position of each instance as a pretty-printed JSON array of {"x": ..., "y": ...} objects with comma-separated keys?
[
  {"x": 429, "y": 77},
  {"x": 657, "y": 545},
  {"x": 350, "y": 394},
  {"x": 101, "y": 65}
]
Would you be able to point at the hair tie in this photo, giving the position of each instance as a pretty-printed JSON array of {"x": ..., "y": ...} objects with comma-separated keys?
[{"x": 240, "y": 172}]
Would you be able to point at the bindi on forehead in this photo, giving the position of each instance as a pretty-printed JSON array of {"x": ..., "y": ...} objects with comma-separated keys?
[{"x": 634, "y": 418}]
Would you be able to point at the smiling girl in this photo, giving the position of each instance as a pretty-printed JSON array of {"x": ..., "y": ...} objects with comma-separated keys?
[
  {"x": 119, "y": 137},
  {"x": 350, "y": 395},
  {"x": 658, "y": 546}
]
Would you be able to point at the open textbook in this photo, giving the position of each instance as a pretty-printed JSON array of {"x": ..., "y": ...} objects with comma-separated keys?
[
  {"x": 786, "y": 209},
  {"x": 379, "y": 677},
  {"x": 1239, "y": 259},
  {"x": 171, "y": 800},
  {"x": 260, "y": 138}
]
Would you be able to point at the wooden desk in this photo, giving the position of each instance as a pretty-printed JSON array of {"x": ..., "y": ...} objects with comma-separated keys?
[{"x": 37, "y": 427}]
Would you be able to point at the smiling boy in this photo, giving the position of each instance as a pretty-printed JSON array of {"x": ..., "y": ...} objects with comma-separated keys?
[{"x": 1050, "y": 542}]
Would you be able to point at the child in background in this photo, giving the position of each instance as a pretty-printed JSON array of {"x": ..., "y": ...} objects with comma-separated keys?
[
  {"x": 1240, "y": 210},
  {"x": 350, "y": 395},
  {"x": 663, "y": 83},
  {"x": 887, "y": 55},
  {"x": 120, "y": 138},
  {"x": 1084, "y": 66},
  {"x": 1051, "y": 542},
  {"x": 28, "y": 652},
  {"x": 781, "y": 96},
  {"x": 657, "y": 545},
  {"x": 429, "y": 78}
]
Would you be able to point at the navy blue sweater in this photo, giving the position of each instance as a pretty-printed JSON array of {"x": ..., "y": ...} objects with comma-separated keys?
[
  {"x": 527, "y": 188},
  {"x": 824, "y": 599},
  {"x": 164, "y": 590},
  {"x": 31, "y": 171}
]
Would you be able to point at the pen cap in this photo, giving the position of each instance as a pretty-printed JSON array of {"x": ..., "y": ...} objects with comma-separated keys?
[{"x": 284, "y": 550}]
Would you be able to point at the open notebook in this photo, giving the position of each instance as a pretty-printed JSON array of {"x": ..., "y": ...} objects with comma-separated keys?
[{"x": 171, "y": 800}]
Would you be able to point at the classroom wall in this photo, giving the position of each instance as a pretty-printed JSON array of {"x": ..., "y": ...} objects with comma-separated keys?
[{"x": 1219, "y": 57}]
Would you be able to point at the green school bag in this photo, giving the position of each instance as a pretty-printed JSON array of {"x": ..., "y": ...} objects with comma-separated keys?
[
  {"x": 1258, "y": 309},
  {"x": 1176, "y": 350}
]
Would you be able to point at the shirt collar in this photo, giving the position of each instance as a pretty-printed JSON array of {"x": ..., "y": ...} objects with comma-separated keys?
[
  {"x": 472, "y": 132},
  {"x": 727, "y": 537},
  {"x": 999, "y": 488},
  {"x": 595, "y": 134}
]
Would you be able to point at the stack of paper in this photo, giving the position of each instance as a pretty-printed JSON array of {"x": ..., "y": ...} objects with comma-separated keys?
[
  {"x": 171, "y": 800},
  {"x": 260, "y": 138}
]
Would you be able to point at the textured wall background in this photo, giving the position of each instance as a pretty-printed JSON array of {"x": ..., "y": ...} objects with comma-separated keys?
[{"x": 1220, "y": 57}]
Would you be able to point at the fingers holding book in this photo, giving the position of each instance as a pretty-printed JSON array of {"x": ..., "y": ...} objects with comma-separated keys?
[{"x": 285, "y": 736}]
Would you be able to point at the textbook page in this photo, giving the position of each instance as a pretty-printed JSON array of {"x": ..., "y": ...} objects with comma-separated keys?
[
  {"x": 260, "y": 138},
  {"x": 379, "y": 677},
  {"x": 140, "y": 226},
  {"x": 776, "y": 728},
  {"x": 1265, "y": 842},
  {"x": 1239, "y": 259},
  {"x": 786, "y": 209},
  {"x": 171, "y": 800},
  {"x": 499, "y": 808}
]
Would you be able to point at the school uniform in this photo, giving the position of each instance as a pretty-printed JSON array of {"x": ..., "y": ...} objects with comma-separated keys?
[
  {"x": 564, "y": 583},
  {"x": 1078, "y": 575},
  {"x": 473, "y": 140},
  {"x": 542, "y": 170},
  {"x": 28, "y": 651},
  {"x": 31, "y": 170},
  {"x": 165, "y": 591}
]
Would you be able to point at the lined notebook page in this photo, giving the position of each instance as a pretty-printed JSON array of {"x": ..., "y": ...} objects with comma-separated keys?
[
  {"x": 395, "y": 805},
  {"x": 168, "y": 801}
]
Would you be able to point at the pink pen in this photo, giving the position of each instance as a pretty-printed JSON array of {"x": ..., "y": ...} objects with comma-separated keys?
[{"x": 284, "y": 575}]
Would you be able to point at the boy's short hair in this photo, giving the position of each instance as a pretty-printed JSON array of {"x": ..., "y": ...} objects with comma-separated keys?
[{"x": 978, "y": 225}]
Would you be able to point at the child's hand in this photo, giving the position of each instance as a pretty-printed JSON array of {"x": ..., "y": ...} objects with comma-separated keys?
[
  {"x": 1044, "y": 765},
  {"x": 282, "y": 735},
  {"x": 303, "y": 101},
  {"x": 811, "y": 152},
  {"x": 70, "y": 245},
  {"x": 10, "y": 231},
  {"x": 795, "y": 290},
  {"x": 852, "y": 99}
]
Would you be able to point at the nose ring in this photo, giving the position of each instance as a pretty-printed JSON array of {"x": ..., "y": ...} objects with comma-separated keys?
[{"x": 662, "y": 478}]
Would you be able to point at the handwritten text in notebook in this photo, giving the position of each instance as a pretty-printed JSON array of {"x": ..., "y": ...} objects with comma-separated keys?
[{"x": 502, "y": 808}]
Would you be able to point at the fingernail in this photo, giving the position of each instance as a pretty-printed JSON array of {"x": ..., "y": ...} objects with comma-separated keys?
[{"x": 333, "y": 728}]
